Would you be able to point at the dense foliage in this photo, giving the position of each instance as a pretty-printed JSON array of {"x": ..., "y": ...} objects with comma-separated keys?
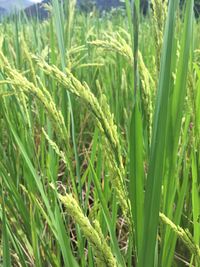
[{"x": 100, "y": 138}]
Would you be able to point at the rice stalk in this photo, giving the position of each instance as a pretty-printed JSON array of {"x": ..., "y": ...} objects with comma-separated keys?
[
  {"x": 184, "y": 235},
  {"x": 116, "y": 43},
  {"x": 159, "y": 8},
  {"x": 54, "y": 147},
  {"x": 16, "y": 79},
  {"x": 103, "y": 116},
  {"x": 94, "y": 236}
]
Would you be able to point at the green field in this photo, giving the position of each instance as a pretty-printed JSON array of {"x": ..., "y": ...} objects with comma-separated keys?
[{"x": 100, "y": 138}]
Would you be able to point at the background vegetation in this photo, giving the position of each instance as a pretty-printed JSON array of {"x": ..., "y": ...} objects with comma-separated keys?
[{"x": 100, "y": 138}]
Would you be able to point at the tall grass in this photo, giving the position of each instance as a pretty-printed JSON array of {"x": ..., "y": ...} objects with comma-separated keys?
[{"x": 100, "y": 138}]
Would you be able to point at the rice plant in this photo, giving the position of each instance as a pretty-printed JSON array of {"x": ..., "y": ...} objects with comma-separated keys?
[{"x": 100, "y": 137}]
